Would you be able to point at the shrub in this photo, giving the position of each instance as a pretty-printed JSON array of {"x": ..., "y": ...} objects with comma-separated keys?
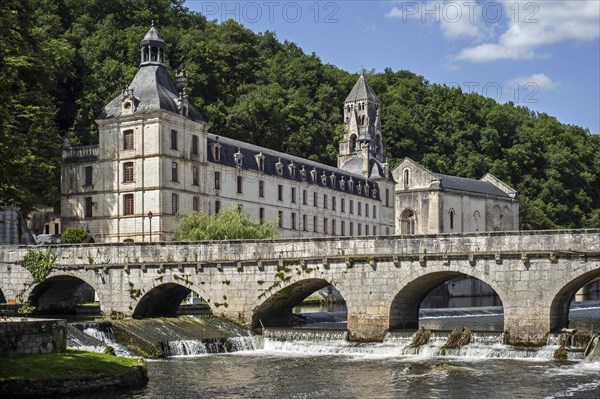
[{"x": 74, "y": 235}]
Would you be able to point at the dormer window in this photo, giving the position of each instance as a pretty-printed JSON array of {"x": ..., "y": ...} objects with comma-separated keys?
[
  {"x": 128, "y": 102},
  {"x": 292, "y": 169},
  {"x": 367, "y": 189},
  {"x": 313, "y": 175},
  {"x": 324, "y": 179},
  {"x": 351, "y": 185},
  {"x": 374, "y": 192},
  {"x": 303, "y": 173},
  {"x": 260, "y": 161},
  {"x": 342, "y": 183},
  {"x": 238, "y": 157},
  {"x": 279, "y": 167},
  {"x": 332, "y": 180},
  {"x": 359, "y": 188},
  {"x": 216, "y": 151}
]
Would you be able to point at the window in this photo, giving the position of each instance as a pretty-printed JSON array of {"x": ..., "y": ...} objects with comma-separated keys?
[
  {"x": 352, "y": 207},
  {"x": 292, "y": 169},
  {"x": 304, "y": 223},
  {"x": 343, "y": 205},
  {"x": 174, "y": 176},
  {"x": 325, "y": 201},
  {"x": 128, "y": 172},
  {"x": 88, "y": 208},
  {"x": 387, "y": 197},
  {"x": 342, "y": 183},
  {"x": 260, "y": 161},
  {"x": 324, "y": 179},
  {"x": 351, "y": 228},
  {"x": 173, "y": 139},
  {"x": 293, "y": 193},
  {"x": 261, "y": 189},
  {"x": 359, "y": 189},
  {"x": 367, "y": 189},
  {"x": 88, "y": 176},
  {"x": 451, "y": 219},
  {"x": 359, "y": 208},
  {"x": 280, "y": 192},
  {"x": 194, "y": 144},
  {"x": 238, "y": 157},
  {"x": 303, "y": 173},
  {"x": 366, "y": 210},
  {"x": 315, "y": 199},
  {"x": 195, "y": 176},
  {"x": 351, "y": 184},
  {"x": 217, "y": 180},
  {"x": 325, "y": 227},
  {"x": 195, "y": 204},
  {"x": 332, "y": 180},
  {"x": 359, "y": 229},
  {"x": 281, "y": 219},
  {"x": 406, "y": 178},
  {"x": 408, "y": 222},
  {"x": 240, "y": 184},
  {"x": 374, "y": 211},
  {"x": 333, "y": 203},
  {"x": 174, "y": 204},
  {"x": 128, "y": 140},
  {"x": 293, "y": 221},
  {"x": 374, "y": 230},
  {"x": 217, "y": 206},
  {"x": 343, "y": 228},
  {"x": 315, "y": 224},
  {"x": 313, "y": 174},
  {"x": 366, "y": 229},
  {"x": 261, "y": 215},
  {"x": 128, "y": 204},
  {"x": 333, "y": 227},
  {"x": 279, "y": 167},
  {"x": 217, "y": 152},
  {"x": 304, "y": 197}
]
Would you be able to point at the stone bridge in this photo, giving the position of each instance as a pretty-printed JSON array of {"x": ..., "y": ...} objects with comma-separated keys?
[{"x": 382, "y": 279}]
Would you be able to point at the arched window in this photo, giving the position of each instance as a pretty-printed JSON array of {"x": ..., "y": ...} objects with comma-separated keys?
[
  {"x": 353, "y": 143},
  {"x": 406, "y": 179},
  {"x": 362, "y": 120},
  {"x": 408, "y": 222},
  {"x": 476, "y": 219},
  {"x": 378, "y": 144}
]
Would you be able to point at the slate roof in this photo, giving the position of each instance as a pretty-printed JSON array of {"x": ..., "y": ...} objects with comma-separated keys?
[
  {"x": 155, "y": 90},
  {"x": 469, "y": 185},
  {"x": 362, "y": 91},
  {"x": 152, "y": 36},
  {"x": 249, "y": 151}
]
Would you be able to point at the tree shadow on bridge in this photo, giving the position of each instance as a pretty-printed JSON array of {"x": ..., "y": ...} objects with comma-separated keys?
[
  {"x": 167, "y": 300},
  {"x": 64, "y": 295},
  {"x": 564, "y": 303},
  {"x": 446, "y": 300},
  {"x": 278, "y": 310}
]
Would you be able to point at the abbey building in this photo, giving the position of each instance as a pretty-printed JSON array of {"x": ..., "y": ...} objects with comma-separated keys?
[{"x": 156, "y": 157}]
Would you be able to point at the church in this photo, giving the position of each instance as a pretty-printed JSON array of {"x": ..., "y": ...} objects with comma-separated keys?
[{"x": 156, "y": 157}]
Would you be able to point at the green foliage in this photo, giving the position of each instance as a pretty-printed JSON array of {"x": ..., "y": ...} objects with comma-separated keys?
[
  {"x": 26, "y": 309},
  {"x": 39, "y": 263},
  {"x": 229, "y": 224},
  {"x": 74, "y": 235},
  {"x": 64, "y": 60}
]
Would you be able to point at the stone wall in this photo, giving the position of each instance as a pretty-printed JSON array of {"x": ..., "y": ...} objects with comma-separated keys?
[{"x": 32, "y": 336}]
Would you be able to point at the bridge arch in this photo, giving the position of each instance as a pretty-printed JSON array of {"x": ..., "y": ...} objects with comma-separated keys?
[
  {"x": 2, "y": 297},
  {"x": 60, "y": 294},
  {"x": 405, "y": 306},
  {"x": 559, "y": 309},
  {"x": 163, "y": 300},
  {"x": 276, "y": 310}
]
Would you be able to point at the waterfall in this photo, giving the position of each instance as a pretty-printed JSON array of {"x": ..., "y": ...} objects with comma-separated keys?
[
  {"x": 94, "y": 337},
  {"x": 208, "y": 346}
]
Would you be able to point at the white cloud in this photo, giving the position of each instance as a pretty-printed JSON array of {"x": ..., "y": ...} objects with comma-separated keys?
[
  {"x": 532, "y": 25},
  {"x": 540, "y": 81}
]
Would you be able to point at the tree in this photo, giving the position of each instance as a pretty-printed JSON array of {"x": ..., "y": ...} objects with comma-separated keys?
[
  {"x": 229, "y": 224},
  {"x": 74, "y": 235}
]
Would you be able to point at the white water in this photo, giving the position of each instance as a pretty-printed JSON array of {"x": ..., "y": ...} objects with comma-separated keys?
[
  {"x": 197, "y": 348},
  {"x": 98, "y": 342}
]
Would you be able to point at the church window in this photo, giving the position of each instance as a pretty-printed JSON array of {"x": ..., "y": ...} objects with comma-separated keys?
[
  {"x": 260, "y": 161},
  {"x": 174, "y": 203},
  {"x": 279, "y": 167},
  {"x": 173, "y": 139},
  {"x": 408, "y": 222},
  {"x": 174, "y": 174},
  {"x": 194, "y": 144},
  {"x": 261, "y": 189},
  {"x": 88, "y": 208},
  {"x": 88, "y": 172},
  {"x": 128, "y": 172},
  {"x": 451, "y": 218},
  {"x": 292, "y": 169},
  {"x": 128, "y": 140},
  {"x": 195, "y": 204},
  {"x": 195, "y": 179},
  {"x": 240, "y": 184},
  {"x": 128, "y": 204},
  {"x": 238, "y": 157},
  {"x": 406, "y": 178}
]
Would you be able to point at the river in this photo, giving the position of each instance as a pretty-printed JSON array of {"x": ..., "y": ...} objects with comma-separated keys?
[{"x": 297, "y": 363}]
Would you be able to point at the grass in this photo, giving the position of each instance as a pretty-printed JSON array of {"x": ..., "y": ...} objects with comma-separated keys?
[{"x": 71, "y": 364}]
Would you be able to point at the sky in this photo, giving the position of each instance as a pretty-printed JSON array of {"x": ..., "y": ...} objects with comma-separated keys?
[{"x": 544, "y": 55}]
